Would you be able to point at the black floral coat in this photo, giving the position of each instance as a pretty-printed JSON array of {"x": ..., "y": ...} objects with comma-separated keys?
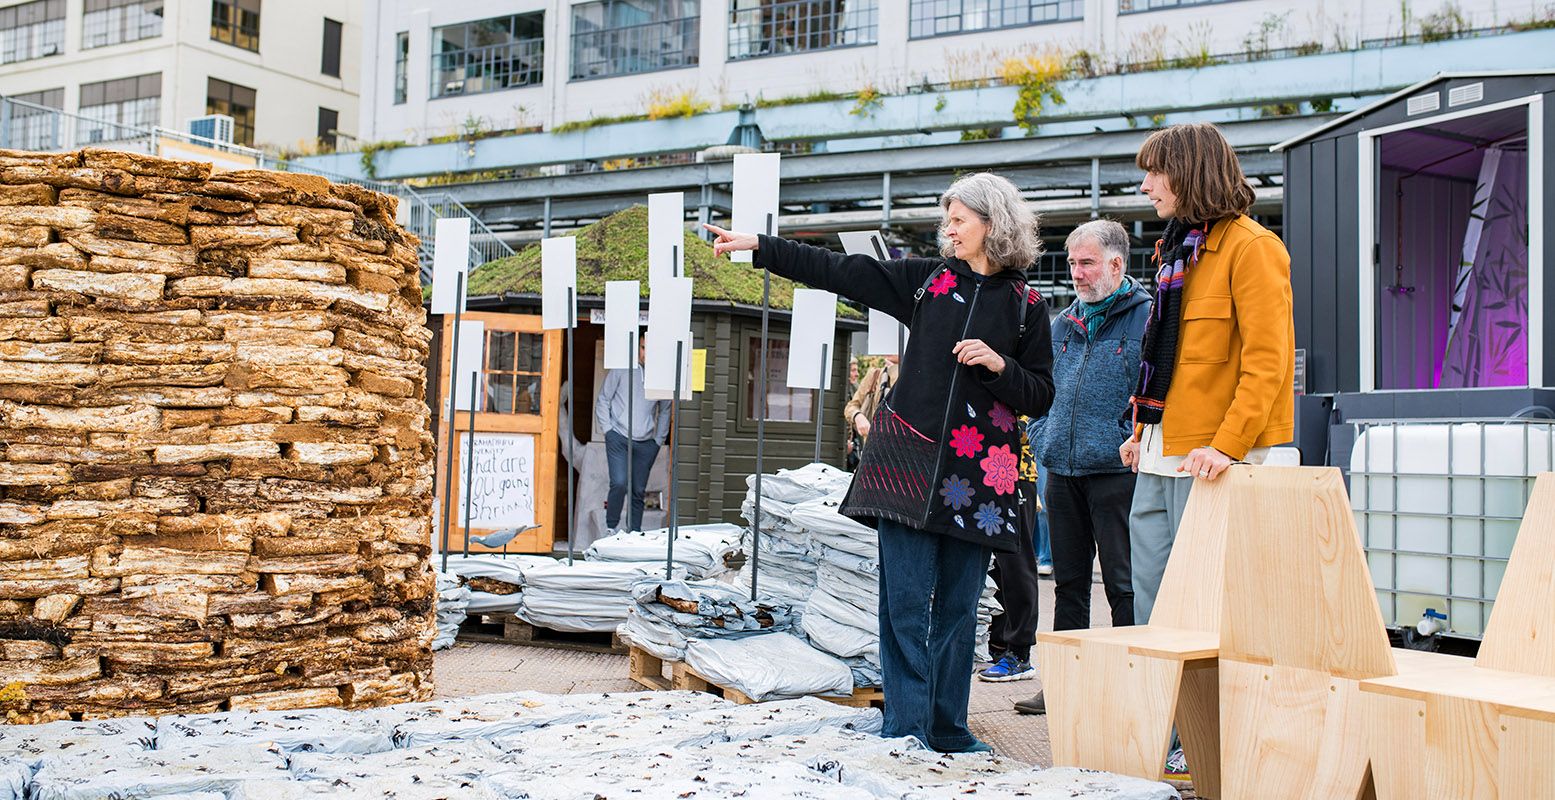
[{"x": 944, "y": 448}]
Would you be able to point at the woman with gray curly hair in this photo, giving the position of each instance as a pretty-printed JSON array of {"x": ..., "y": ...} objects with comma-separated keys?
[{"x": 940, "y": 477}]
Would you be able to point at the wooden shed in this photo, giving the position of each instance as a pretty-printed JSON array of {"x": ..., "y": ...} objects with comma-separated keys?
[
  {"x": 715, "y": 444},
  {"x": 1416, "y": 228}
]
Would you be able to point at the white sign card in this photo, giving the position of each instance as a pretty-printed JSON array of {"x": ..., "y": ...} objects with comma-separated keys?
[
  {"x": 864, "y": 243},
  {"x": 502, "y": 494},
  {"x": 814, "y": 324},
  {"x": 661, "y": 361},
  {"x": 669, "y": 321},
  {"x": 755, "y": 197},
  {"x": 558, "y": 275},
  {"x": 622, "y": 303},
  {"x": 471, "y": 336},
  {"x": 450, "y": 259},
  {"x": 666, "y": 237},
  {"x": 886, "y": 335}
]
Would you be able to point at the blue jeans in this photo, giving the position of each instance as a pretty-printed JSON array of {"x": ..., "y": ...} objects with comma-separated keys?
[
  {"x": 1044, "y": 544},
  {"x": 1159, "y": 503},
  {"x": 929, "y": 585},
  {"x": 644, "y": 451}
]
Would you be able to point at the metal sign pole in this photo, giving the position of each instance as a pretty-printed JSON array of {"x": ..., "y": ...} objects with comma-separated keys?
[
  {"x": 631, "y": 436},
  {"x": 674, "y": 439},
  {"x": 469, "y": 456},
  {"x": 572, "y": 424},
  {"x": 453, "y": 384},
  {"x": 820, "y": 399},
  {"x": 761, "y": 418}
]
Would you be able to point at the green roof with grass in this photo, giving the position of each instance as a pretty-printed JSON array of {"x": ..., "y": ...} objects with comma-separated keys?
[{"x": 616, "y": 249}]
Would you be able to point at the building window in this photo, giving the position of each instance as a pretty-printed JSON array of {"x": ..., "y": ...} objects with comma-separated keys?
[
  {"x": 236, "y": 22},
  {"x": 119, "y": 109},
  {"x": 32, "y": 30},
  {"x": 236, "y": 102},
  {"x": 487, "y": 56},
  {"x": 622, "y": 37},
  {"x": 512, "y": 372},
  {"x": 769, "y": 27},
  {"x": 331, "y": 65},
  {"x": 329, "y": 124},
  {"x": 401, "y": 66},
  {"x": 783, "y": 404},
  {"x": 33, "y": 126},
  {"x": 943, "y": 17},
  {"x": 118, "y": 21},
  {"x": 1132, "y": 6}
]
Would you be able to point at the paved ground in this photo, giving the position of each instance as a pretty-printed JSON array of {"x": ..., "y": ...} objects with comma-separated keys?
[{"x": 482, "y": 668}]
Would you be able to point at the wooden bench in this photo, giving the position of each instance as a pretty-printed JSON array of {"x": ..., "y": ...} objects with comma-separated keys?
[
  {"x": 1484, "y": 730},
  {"x": 1114, "y": 694}
]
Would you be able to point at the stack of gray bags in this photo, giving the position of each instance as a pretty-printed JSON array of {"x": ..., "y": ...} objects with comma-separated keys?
[
  {"x": 453, "y": 597},
  {"x": 703, "y": 551},
  {"x": 842, "y": 617},
  {"x": 494, "y": 581},
  {"x": 787, "y": 557},
  {"x": 585, "y": 596},
  {"x": 664, "y": 615}
]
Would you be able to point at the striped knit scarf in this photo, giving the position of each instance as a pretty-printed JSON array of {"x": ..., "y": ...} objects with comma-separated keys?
[{"x": 1175, "y": 253}]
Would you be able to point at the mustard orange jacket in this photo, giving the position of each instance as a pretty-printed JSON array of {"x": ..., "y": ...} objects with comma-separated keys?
[{"x": 1233, "y": 387}]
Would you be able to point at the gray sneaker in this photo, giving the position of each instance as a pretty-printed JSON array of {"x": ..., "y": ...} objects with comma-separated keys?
[{"x": 1031, "y": 705}]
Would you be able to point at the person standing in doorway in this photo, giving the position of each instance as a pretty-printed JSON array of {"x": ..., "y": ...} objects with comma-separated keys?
[{"x": 644, "y": 433}]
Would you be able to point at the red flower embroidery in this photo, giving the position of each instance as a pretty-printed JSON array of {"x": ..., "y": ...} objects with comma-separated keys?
[
  {"x": 966, "y": 441},
  {"x": 943, "y": 283},
  {"x": 1002, "y": 417},
  {"x": 1000, "y": 470}
]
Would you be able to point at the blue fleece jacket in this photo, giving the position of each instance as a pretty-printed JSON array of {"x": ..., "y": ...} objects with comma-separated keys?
[{"x": 1092, "y": 379}]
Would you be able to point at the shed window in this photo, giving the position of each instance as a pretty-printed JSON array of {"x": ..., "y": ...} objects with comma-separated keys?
[
  {"x": 512, "y": 372},
  {"x": 783, "y": 404},
  {"x": 1452, "y": 271}
]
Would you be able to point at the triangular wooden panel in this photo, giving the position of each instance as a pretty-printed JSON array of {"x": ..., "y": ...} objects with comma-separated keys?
[
  {"x": 1194, "y": 581},
  {"x": 1520, "y": 636},
  {"x": 1303, "y": 596}
]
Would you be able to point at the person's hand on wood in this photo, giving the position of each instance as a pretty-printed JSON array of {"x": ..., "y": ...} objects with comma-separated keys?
[
  {"x": 1205, "y": 462},
  {"x": 977, "y": 352},
  {"x": 730, "y": 241}
]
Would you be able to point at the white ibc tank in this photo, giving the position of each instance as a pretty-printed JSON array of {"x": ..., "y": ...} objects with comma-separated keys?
[{"x": 1438, "y": 505}]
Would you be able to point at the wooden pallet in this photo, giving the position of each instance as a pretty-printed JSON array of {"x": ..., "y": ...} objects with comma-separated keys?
[
  {"x": 505, "y": 628},
  {"x": 648, "y": 670}
]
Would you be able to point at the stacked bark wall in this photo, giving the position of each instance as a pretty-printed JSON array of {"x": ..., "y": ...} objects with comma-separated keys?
[{"x": 215, "y": 462}]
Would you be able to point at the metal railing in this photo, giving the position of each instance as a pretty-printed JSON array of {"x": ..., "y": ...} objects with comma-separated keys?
[{"x": 29, "y": 126}]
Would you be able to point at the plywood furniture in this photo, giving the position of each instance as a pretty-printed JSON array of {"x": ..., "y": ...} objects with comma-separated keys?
[
  {"x": 1483, "y": 731},
  {"x": 1113, "y": 695}
]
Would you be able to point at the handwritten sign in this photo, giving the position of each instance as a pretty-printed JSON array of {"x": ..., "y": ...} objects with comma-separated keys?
[{"x": 503, "y": 492}]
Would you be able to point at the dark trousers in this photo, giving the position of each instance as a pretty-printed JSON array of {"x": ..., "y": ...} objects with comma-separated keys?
[
  {"x": 1088, "y": 515},
  {"x": 929, "y": 585},
  {"x": 1015, "y": 630},
  {"x": 644, "y": 451}
]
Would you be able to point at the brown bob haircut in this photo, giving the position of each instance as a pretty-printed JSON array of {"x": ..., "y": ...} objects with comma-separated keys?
[{"x": 1202, "y": 170}]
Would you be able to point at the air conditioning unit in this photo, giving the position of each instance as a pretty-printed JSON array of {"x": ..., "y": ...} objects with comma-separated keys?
[{"x": 216, "y": 127}]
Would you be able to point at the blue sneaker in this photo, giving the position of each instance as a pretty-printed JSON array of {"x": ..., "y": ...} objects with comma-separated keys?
[{"x": 1009, "y": 668}]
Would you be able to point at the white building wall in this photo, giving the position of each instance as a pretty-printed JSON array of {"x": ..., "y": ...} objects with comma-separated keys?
[
  {"x": 286, "y": 73},
  {"x": 893, "y": 64}
]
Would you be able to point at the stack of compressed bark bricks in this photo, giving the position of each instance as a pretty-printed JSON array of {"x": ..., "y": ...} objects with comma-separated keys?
[{"x": 215, "y": 459}]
